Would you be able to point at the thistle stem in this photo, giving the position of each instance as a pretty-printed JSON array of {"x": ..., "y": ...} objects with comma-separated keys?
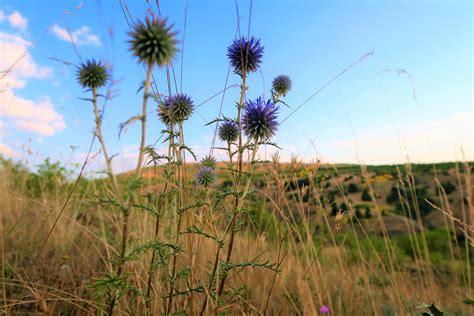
[
  {"x": 98, "y": 132},
  {"x": 239, "y": 201},
  {"x": 180, "y": 207},
  {"x": 157, "y": 224},
  {"x": 239, "y": 120},
  {"x": 146, "y": 89},
  {"x": 138, "y": 172}
]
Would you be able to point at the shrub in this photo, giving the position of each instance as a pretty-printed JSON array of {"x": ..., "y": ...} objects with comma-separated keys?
[
  {"x": 449, "y": 187},
  {"x": 353, "y": 188},
  {"x": 366, "y": 195},
  {"x": 368, "y": 213}
]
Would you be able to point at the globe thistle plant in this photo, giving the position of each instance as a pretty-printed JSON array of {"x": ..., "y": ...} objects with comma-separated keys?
[
  {"x": 228, "y": 132},
  {"x": 245, "y": 55},
  {"x": 92, "y": 74},
  {"x": 209, "y": 161},
  {"x": 164, "y": 113},
  {"x": 153, "y": 42},
  {"x": 206, "y": 176},
  {"x": 180, "y": 107},
  {"x": 260, "y": 119},
  {"x": 281, "y": 85}
]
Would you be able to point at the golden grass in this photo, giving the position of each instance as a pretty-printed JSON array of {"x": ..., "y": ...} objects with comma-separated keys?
[{"x": 315, "y": 270}]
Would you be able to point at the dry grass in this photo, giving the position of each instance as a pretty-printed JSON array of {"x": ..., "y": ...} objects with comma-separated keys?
[{"x": 316, "y": 267}]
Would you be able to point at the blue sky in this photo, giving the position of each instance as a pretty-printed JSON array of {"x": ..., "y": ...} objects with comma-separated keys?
[{"x": 411, "y": 99}]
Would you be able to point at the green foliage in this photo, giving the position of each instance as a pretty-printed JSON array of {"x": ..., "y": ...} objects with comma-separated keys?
[
  {"x": 449, "y": 187},
  {"x": 438, "y": 242},
  {"x": 366, "y": 195},
  {"x": 421, "y": 199},
  {"x": 48, "y": 178},
  {"x": 110, "y": 282},
  {"x": 392, "y": 197},
  {"x": 368, "y": 213},
  {"x": 432, "y": 310},
  {"x": 371, "y": 247},
  {"x": 353, "y": 188}
]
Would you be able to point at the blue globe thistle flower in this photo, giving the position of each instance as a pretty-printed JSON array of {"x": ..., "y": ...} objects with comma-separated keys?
[
  {"x": 180, "y": 107},
  {"x": 260, "y": 119},
  {"x": 245, "y": 55},
  {"x": 153, "y": 42},
  {"x": 209, "y": 161},
  {"x": 206, "y": 176},
  {"x": 164, "y": 113},
  {"x": 92, "y": 74},
  {"x": 228, "y": 132},
  {"x": 281, "y": 85}
]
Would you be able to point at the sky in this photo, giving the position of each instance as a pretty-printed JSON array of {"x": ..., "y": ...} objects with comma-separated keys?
[{"x": 410, "y": 100}]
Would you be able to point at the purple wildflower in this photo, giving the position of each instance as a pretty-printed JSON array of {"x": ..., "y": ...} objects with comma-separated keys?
[
  {"x": 206, "y": 176},
  {"x": 180, "y": 107},
  {"x": 324, "y": 309},
  {"x": 281, "y": 85},
  {"x": 228, "y": 131},
  {"x": 245, "y": 55},
  {"x": 260, "y": 119}
]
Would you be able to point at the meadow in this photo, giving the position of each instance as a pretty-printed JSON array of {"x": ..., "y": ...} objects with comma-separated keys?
[{"x": 241, "y": 236}]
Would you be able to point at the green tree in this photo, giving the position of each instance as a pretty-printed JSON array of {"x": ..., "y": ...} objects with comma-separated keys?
[
  {"x": 353, "y": 188},
  {"x": 368, "y": 213},
  {"x": 366, "y": 195}
]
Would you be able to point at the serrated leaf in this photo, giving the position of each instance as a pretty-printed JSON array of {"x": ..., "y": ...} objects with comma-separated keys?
[{"x": 124, "y": 125}]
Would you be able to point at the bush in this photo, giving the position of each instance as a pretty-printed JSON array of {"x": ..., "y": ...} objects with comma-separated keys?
[
  {"x": 437, "y": 242},
  {"x": 353, "y": 188},
  {"x": 372, "y": 247},
  {"x": 366, "y": 195},
  {"x": 49, "y": 176},
  {"x": 368, "y": 213},
  {"x": 393, "y": 197},
  {"x": 423, "y": 201},
  {"x": 334, "y": 209},
  {"x": 449, "y": 187}
]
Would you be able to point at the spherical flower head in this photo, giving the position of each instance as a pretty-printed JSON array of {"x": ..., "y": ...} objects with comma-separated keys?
[
  {"x": 281, "y": 85},
  {"x": 260, "y": 119},
  {"x": 245, "y": 55},
  {"x": 324, "y": 309},
  {"x": 180, "y": 107},
  {"x": 164, "y": 112},
  {"x": 228, "y": 131},
  {"x": 206, "y": 176},
  {"x": 209, "y": 161},
  {"x": 92, "y": 74},
  {"x": 153, "y": 42}
]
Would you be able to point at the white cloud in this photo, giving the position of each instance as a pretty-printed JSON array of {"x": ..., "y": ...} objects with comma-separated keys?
[
  {"x": 7, "y": 151},
  {"x": 16, "y": 68},
  {"x": 17, "y": 20},
  {"x": 17, "y": 64},
  {"x": 81, "y": 36}
]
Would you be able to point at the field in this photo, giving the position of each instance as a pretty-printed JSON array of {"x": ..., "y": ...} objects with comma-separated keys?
[
  {"x": 292, "y": 255},
  {"x": 235, "y": 225}
]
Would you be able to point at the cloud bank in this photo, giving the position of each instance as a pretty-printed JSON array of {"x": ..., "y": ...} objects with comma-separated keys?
[
  {"x": 80, "y": 36},
  {"x": 17, "y": 68}
]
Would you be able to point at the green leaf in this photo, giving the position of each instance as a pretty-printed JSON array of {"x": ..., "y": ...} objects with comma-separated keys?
[
  {"x": 433, "y": 310},
  {"x": 123, "y": 126}
]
